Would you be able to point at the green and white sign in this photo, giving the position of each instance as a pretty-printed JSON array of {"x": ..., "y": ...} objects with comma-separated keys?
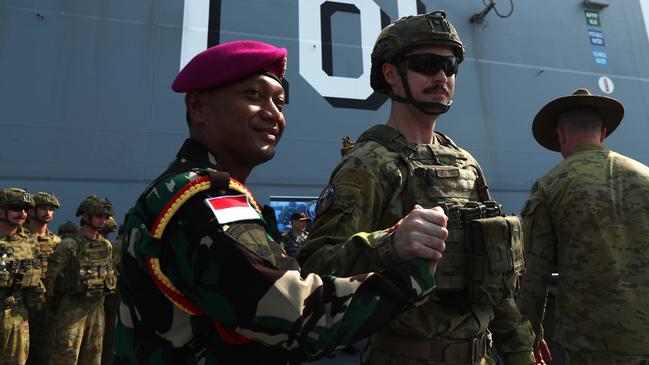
[{"x": 592, "y": 18}]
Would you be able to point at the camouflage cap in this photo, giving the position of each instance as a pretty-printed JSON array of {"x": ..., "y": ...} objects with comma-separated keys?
[
  {"x": 68, "y": 227},
  {"x": 42, "y": 198},
  {"x": 95, "y": 205},
  {"x": 410, "y": 32},
  {"x": 16, "y": 196}
]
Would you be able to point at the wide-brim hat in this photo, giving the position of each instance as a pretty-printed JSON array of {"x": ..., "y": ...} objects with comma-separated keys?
[{"x": 545, "y": 122}]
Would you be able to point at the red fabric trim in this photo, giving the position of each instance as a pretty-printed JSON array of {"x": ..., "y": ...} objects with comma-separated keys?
[
  {"x": 175, "y": 297},
  {"x": 173, "y": 199},
  {"x": 229, "y": 336}
]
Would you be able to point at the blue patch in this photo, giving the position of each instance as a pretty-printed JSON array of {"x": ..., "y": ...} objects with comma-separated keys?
[{"x": 325, "y": 200}]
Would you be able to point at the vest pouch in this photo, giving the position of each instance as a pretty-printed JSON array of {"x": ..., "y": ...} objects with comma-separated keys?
[
  {"x": 5, "y": 279},
  {"x": 46, "y": 248},
  {"x": 496, "y": 259},
  {"x": 94, "y": 284},
  {"x": 110, "y": 284},
  {"x": 451, "y": 269},
  {"x": 32, "y": 273}
]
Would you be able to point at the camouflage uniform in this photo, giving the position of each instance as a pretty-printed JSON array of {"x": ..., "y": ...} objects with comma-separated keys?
[
  {"x": 370, "y": 191},
  {"x": 80, "y": 274},
  {"x": 198, "y": 286},
  {"x": 111, "y": 301},
  {"x": 292, "y": 243},
  {"x": 588, "y": 218},
  {"x": 21, "y": 289},
  {"x": 39, "y": 320}
]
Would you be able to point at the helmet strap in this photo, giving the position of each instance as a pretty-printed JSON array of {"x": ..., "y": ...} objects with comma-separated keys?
[
  {"x": 423, "y": 106},
  {"x": 6, "y": 217}
]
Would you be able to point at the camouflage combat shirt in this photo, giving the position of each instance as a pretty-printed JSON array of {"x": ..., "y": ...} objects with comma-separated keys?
[
  {"x": 214, "y": 288},
  {"x": 588, "y": 218},
  {"x": 351, "y": 235}
]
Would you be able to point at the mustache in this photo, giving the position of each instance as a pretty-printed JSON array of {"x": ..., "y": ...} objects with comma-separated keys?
[{"x": 436, "y": 89}]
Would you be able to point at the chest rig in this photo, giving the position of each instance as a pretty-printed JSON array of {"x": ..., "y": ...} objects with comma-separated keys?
[
  {"x": 478, "y": 259},
  {"x": 19, "y": 269},
  {"x": 44, "y": 248},
  {"x": 91, "y": 271}
]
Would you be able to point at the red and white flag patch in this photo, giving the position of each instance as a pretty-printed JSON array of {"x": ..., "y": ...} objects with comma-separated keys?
[{"x": 231, "y": 208}]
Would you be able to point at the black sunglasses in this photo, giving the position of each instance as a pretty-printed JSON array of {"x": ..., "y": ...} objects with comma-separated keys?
[
  {"x": 430, "y": 64},
  {"x": 18, "y": 208}
]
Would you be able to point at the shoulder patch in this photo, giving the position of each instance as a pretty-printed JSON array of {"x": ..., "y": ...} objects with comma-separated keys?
[
  {"x": 326, "y": 199},
  {"x": 175, "y": 201},
  {"x": 231, "y": 208}
]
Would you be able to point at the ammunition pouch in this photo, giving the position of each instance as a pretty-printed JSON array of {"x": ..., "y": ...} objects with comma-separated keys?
[
  {"x": 95, "y": 280},
  {"x": 484, "y": 253},
  {"x": 495, "y": 259},
  {"x": 18, "y": 274}
]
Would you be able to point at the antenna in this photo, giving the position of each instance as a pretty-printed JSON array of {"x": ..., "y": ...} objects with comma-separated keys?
[{"x": 478, "y": 18}]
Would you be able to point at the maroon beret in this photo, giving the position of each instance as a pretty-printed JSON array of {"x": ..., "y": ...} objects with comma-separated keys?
[{"x": 228, "y": 62}]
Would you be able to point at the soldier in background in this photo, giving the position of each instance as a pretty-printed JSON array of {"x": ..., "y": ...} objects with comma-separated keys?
[
  {"x": 588, "y": 220},
  {"x": 21, "y": 288},
  {"x": 292, "y": 240},
  {"x": 67, "y": 229},
  {"x": 201, "y": 280},
  {"x": 39, "y": 218},
  {"x": 79, "y": 276},
  {"x": 400, "y": 168},
  {"x": 112, "y": 300}
]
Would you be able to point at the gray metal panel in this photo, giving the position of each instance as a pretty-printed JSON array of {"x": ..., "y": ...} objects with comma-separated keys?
[{"x": 90, "y": 79}]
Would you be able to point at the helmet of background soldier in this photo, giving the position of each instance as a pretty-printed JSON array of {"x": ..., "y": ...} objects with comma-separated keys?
[
  {"x": 110, "y": 226},
  {"x": 95, "y": 205},
  {"x": 68, "y": 228},
  {"x": 15, "y": 196},
  {"x": 42, "y": 198},
  {"x": 408, "y": 33}
]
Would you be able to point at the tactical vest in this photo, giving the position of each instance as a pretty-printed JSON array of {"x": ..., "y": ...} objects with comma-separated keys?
[
  {"x": 44, "y": 248},
  {"x": 19, "y": 269},
  {"x": 91, "y": 271},
  {"x": 442, "y": 174}
]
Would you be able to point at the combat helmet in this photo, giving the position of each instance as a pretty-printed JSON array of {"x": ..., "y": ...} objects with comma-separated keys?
[
  {"x": 95, "y": 205},
  {"x": 68, "y": 228},
  {"x": 42, "y": 198},
  {"x": 16, "y": 197},
  {"x": 408, "y": 33}
]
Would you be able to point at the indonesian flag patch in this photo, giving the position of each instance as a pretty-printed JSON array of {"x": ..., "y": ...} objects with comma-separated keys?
[{"x": 231, "y": 208}]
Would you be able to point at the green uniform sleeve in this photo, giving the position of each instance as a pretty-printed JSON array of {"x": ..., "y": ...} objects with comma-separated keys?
[
  {"x": 56, "y": 263},
  {"x": 345, "y": 240},
  {"x": 512, "y": 334},
  {"x": 540, "y": 243},
  {"x": 235, "y": 286}
]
